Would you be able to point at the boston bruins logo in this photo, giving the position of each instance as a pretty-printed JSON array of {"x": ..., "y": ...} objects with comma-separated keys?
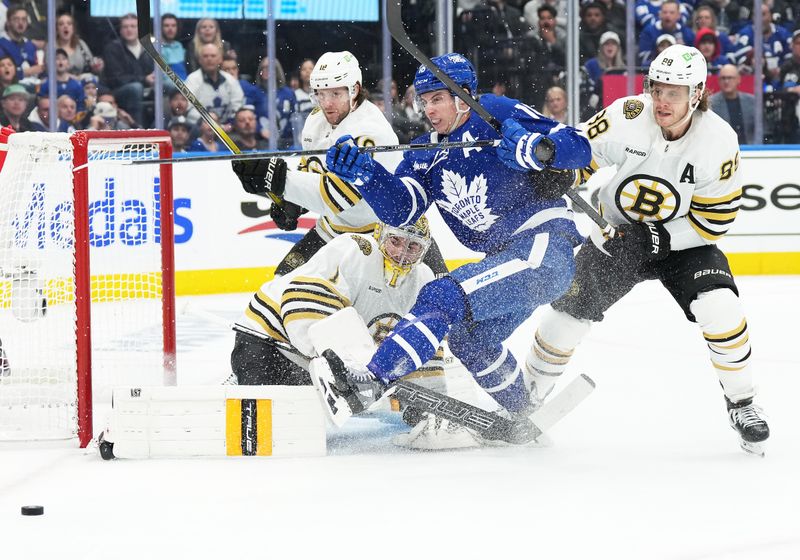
[
  {"x": 644, "y": 197},
  {"x": 380, "y": 326},
  {"x": 632, "y": 108},
  {"x": 363, "y": 244}
]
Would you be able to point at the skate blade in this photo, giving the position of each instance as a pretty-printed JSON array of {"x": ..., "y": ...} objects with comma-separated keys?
[{"x": 754, "y": 448}]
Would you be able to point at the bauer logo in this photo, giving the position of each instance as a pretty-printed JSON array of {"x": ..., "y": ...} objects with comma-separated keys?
[{"x": 44, "y": 219}]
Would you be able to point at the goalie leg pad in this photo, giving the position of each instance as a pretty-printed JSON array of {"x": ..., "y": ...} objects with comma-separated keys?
[
  {"x": 433, "y": 433},
  {"x": 216, "y": 421}
]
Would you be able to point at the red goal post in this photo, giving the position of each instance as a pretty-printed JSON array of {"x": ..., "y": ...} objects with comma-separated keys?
[{"x": 87, "y": 294}]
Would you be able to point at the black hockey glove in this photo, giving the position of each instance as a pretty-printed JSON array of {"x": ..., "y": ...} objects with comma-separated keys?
[
  {"x": 262, "y": 176},
  {"x": 285, "y": 216},
  {"x": 639, "y": 242},
  {"x": 552, "y": 183}
]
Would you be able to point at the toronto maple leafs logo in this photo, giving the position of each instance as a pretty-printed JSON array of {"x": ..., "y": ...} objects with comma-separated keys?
[{"x": 467, "y": 203}]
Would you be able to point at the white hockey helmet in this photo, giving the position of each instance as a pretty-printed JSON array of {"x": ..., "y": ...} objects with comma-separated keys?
[
  {"x": 336, "y": 69},
  {"x": 680, "y": 65},
  {"x": 402, "y": 248}
]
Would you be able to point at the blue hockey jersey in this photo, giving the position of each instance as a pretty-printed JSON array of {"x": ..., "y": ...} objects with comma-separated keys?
[{"x": 483, "y": 201}]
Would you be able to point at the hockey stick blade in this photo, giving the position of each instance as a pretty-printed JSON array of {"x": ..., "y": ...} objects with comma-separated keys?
[
  {"x": 489, "y": 425},
  {"x": 394, "y": 21},
  {"x": 555, "y": 408}
]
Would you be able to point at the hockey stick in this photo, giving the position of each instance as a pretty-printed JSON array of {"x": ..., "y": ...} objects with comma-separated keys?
[
  {"x": 146, "y": 39},
  {"x": 394, "y": 20},
  {"x": 488, "y": 425},
  {"x": 320, "y": 152}
]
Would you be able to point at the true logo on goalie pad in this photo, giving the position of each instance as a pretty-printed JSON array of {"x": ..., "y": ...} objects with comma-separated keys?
[{"x": 248, "y": 427}]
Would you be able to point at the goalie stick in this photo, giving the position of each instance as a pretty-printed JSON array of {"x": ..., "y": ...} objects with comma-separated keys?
[
  {"x": 489, "y": 425},
  {"x": 394, "y": 21}
]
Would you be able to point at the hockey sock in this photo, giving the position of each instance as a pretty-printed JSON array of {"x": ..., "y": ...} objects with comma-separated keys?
[
  {"x": 417, "y": 336},
  {"x": 502, "y": 377},
  {"x": 553, "y": 345},
  {"x": 720, "y": 316}
]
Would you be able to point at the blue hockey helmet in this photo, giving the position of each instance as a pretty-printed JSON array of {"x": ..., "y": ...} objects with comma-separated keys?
[{"x": 456, "y": 66}]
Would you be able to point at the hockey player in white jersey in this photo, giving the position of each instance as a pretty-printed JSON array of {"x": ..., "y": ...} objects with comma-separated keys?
[
  {"x": 379, "y": 275},
  {"x": 676, "y": 191},
  {"x": 342, "y": 108}
]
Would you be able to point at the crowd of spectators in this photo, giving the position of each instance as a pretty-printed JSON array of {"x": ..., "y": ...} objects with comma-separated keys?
[{"x": 518, "y": 47}]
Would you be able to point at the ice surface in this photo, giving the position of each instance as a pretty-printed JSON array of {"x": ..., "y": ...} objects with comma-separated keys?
[{"x": 646, "y": 468}]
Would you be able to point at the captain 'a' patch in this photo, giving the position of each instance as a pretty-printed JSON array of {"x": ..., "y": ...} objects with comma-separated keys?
[{"x": 632, "y": 108}]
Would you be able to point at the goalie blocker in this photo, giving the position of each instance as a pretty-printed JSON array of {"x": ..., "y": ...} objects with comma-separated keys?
[{"x": 214, "y": 421}]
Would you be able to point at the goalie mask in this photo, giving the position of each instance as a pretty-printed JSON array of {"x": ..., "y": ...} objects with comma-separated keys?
[{"x": 402, "y": 247}]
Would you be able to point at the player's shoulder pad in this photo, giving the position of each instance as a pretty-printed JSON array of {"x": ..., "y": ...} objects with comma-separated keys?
[
  {"x": 716, "y": 129},
  {"x": 499, "y": 106},
  {"x": 367, "y": 122},
  {"x": 715, "y": 139}
]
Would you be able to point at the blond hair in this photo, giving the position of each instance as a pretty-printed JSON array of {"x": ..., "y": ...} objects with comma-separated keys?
[{"x": 197, "y": 44}]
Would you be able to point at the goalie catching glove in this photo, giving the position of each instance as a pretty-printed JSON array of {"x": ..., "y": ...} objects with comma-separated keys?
[
  {"x": 639, "y": 242},
  {"x": 262, "y": 176}
]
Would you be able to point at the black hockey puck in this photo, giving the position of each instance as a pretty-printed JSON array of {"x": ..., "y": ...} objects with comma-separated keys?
[{"x": 32, "y": 510}]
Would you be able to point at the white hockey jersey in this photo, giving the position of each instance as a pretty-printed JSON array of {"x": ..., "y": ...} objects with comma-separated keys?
[
  {"x": 692, "y": 183},
  {"x": 348, "y": 271},
  {"x": 338, "y": 203}
]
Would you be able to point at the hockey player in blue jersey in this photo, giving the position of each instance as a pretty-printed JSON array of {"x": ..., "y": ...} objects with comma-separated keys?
[{"x": 503, "y": 201}]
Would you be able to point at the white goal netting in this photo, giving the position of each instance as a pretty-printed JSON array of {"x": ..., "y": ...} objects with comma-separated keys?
[{"x": 43, "y": 327}]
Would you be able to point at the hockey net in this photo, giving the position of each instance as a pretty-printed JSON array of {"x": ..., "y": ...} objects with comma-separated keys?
[{"x": 86, "y": 277}]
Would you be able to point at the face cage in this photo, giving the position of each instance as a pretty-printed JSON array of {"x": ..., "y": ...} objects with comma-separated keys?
[
  {"x": 351, "y": 93},
  {"x": 394, "y": 271},
  {"x": 693, "y": 90}
]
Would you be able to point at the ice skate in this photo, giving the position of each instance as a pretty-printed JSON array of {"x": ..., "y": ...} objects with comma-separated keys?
[
  {"x": 432, "y": 433},
  {"x": 747, "y": 419}
]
